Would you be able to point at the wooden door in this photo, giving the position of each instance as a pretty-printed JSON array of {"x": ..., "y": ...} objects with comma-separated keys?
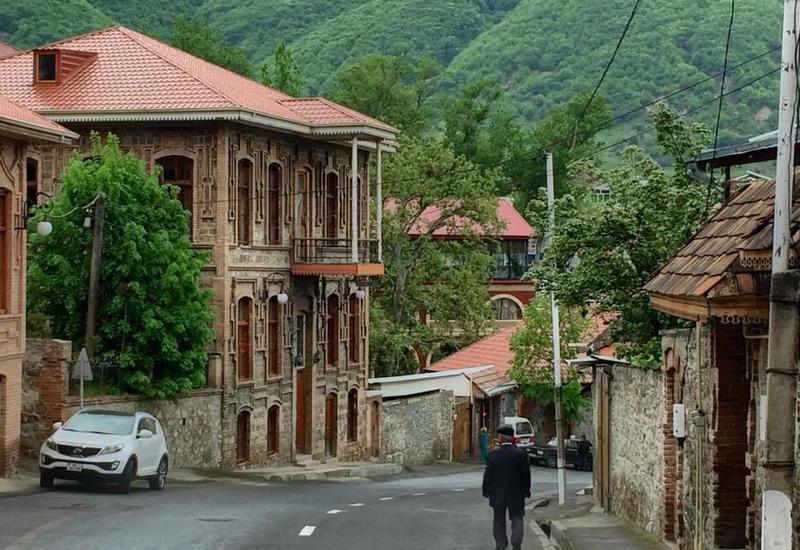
[
  {"x": 243, "y": 437},
  {"x": 375, "y": 432},
  {"x": 331, "y": 428},
  {"x": 462, "y": 448},
  {"x": 602, "y": 470},
  {"x": 302, "y": 397}
]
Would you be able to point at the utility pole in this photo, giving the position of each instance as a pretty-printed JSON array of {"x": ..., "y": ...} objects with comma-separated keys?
[
  {"x": 556, "y": 343},
  {"x": 781, "y": 371},
  {"x": 99, "y": 210}
]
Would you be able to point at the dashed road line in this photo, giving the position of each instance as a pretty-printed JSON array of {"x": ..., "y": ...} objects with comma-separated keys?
[
  {"x": 356, "y": 504},
  {"x": 307, "y": 531},
  {"x": 418, "y": 494},
  {"x": 386, "y": 498},
  {"x": 334, "y": 511}
]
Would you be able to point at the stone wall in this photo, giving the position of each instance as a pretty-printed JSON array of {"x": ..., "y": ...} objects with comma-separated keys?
[
  {"x": 636, "y": 446},
  {"x": 191, "y": 423},
  {"x": 45, "y": 379},
  {"x": 417, "y": 429}
]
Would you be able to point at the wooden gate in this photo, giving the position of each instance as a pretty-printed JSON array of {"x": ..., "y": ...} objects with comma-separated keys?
[
  {"x": 375, "y": 423},
  {"x": 462, "y": 433},
  {"x": 602, "y": 468}
]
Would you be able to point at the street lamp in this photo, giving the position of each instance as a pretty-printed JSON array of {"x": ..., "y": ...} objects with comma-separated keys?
[{"x": 44, "y": 227}]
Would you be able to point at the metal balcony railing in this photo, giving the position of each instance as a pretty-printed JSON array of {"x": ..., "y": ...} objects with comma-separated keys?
[{"x": 332, "y": 251}]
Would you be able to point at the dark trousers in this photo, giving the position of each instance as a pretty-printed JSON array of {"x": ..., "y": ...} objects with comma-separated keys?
[{"x": 517, "y": 527}]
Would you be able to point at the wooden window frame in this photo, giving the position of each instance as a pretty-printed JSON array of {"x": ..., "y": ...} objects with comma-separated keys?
[
  {"x": 354, "y": 331},
  {"x": 274, "y": 221},
  {"x": 57, "y": 66},
  {"x": 185, "y": 186},
  {"x": 244, "y": 350},
  {"x": 6, "y": 227},
  {"x": 352, "y": 415},
  {"x": 244, "y": 199},
  {"x": 274, "y": 356},
  {"x": 332, "y": 332},
  {"x": 331, "y": 227},
  {"x": 273, "y": 430}
]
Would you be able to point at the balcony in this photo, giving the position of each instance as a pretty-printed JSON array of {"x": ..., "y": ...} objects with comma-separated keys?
[{"x": 334, "y": 257}]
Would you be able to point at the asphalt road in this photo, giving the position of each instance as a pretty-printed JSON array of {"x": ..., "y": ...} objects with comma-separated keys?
[{"x": 442, "y": 511}]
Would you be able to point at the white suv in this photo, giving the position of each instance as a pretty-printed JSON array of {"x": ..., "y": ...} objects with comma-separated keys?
[{"x": 106, "y": 446}]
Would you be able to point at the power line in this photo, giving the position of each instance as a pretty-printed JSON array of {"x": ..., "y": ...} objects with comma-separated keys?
[
  {"x": 719, "y": 107},
  {"x": 608, "y": 67}
]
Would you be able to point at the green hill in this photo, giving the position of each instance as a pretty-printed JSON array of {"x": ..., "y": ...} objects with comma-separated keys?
[{"x": 542, "y": 52}]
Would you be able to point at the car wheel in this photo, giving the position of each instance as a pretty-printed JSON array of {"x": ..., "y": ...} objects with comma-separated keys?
[
  {"x": 160, "y": 481},
  {"x": 128, "y": 475},
  {"x": 45, "y": 480},
  {"x": 552, "y": 461}
]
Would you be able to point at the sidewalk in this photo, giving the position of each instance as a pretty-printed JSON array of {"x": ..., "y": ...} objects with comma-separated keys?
[
  {"x": 576, "y": 526},
  {"x": 311, "y": 472}
]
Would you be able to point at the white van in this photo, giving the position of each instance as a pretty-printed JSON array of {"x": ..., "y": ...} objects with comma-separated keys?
[{"x": 523, "y": 431}]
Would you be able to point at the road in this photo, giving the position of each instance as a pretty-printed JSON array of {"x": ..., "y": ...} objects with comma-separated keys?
[{"x": 444, "y": 510}]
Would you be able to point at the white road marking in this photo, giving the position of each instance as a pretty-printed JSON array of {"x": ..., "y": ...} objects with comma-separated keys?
[
  {"x": 307, "y": 531},
  {"x": 419, "y": 494},
  {"x": 386, "y": 498},
  {"x": 332, "y": 512},
  {"x": 458, "y": 490},
  {"x": 355, "y": 504}
]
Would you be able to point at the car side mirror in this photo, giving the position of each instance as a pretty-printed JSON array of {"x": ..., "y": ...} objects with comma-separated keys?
[
  {"x": 145, "y": 434},
  {"x": 57, "y": 425}
]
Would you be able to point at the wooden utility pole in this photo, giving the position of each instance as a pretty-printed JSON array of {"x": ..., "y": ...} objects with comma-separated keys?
[
  {"x": 561, "y": 476},
  {"x": 778, "y": 432},
  {"x": 99, "y": 211}
]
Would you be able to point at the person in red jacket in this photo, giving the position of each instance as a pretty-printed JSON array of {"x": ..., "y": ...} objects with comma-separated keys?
[{"x": 507, "y": 483}]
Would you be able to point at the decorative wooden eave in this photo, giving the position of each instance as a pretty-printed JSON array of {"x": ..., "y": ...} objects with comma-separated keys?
[
  {"x": 761, "y": 260},
  {"x": 752, "y": 308}
]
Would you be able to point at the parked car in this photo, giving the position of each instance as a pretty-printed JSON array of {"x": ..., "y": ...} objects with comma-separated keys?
[
  {"x": 523, "y": 431},
  {"x": 548, "y": 454},
  {"x": 108, "y": 447}
]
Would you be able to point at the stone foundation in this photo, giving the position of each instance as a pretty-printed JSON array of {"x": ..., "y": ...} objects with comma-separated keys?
[{"x": 417, "y": 429}]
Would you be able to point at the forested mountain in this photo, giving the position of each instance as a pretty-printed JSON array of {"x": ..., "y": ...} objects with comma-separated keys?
[{"x": 542, "y": 52}]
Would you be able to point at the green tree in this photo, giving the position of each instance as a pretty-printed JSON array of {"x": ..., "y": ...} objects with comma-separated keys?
[
  {"x": 446, "y": 278},
  {"x": 283, "y": 73},
  {"x": 199, "y": 38},
  {"x": 603, "y": 252},
  {"x": 465, "y": 117},
  {"x": 153, "y": 319},
  {"x": 532, "y": 365},
  {"x": 388, "y": 88}
]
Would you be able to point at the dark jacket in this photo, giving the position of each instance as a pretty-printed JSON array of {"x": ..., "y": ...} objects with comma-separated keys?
[{"x": 507, "y": 479}]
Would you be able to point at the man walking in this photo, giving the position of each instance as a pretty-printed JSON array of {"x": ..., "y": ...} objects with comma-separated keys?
[
  {"x": 584, "y": 447},
  {"x": 506, "y": 483}
]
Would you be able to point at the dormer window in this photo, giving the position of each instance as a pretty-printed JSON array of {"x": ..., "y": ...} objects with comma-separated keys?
[{"x": 46, "y": 66}]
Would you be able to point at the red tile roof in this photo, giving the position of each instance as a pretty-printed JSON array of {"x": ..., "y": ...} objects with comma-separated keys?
[
  {"x": 15, "y": 115},
  {"x": 514, "y": 224},
  {"x": 7, "y": 50},
  {"x": 133, "y": 72},
  {"x": 490, "y": 350}
]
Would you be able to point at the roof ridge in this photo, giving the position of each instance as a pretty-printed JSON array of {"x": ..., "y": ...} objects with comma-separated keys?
[
  {"x": 135, "y": 36},
  {"x": 66, "y": 40}
]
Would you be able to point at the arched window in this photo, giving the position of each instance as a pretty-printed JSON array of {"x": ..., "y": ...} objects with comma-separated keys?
[
  {"x": 179, "y": 171},
  {"x": 352, "y": 415},
  {"x": 273, "y": 430},
  {"x": 244, "y": 355},
  {"x": 243, "y": 437},
  {"x": 333, "y": 331},
  {"x": 273, "y": 338},
  {"x": 274, "y": 204},
  {"x": 354, "y": 330},
  {"x": 244, "y": 197},
  {"x": 303, "y": 201},
  {"x": 331, "y": 206},
  {"x": 5, "y": 251},
  {"x": 506, "y": 309}
]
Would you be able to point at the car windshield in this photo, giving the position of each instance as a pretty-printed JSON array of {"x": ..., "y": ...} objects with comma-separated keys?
[
  {"x": 524, "y": 428},
  {"x": 100, "y": 423}
]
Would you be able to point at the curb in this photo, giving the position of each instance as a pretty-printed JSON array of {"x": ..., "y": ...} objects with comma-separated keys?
[
  {"x": 540, "y": 535},
  {"x": 558, "y": 536}
]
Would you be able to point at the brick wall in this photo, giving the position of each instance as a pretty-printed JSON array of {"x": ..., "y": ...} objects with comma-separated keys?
[
  {"x": 417, "y": 429},
  {"x": 44, "y": 387},
  {"x": 636, "y": 457}
]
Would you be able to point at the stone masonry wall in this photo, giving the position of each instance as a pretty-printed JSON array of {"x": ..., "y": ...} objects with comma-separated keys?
[
  {"x": 636, "y": 459},
  {"x": 45, "y": 375},
  {"x": 417, "y": 429},
  {"x": 191, "y": 424}
]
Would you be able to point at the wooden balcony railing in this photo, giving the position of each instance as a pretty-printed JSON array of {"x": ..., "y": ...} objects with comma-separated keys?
[{"x": 334, "y": 252}]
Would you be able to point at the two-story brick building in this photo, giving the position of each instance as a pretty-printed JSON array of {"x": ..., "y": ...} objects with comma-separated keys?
[
  {"x": 279, "y": 191},
  {"x": 20, "y": 131}
]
